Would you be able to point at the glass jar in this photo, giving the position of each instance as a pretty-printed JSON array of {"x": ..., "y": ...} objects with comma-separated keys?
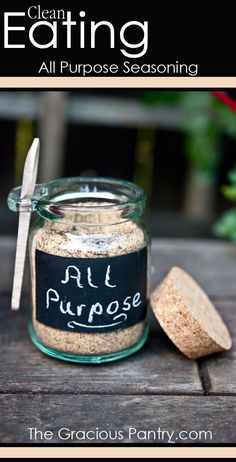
[{"x": 89, "y": 253}]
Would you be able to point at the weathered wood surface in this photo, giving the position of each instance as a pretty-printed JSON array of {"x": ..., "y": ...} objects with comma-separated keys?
[
  {"x": 158, "y": 368},
  {"x": 212, "y": 263},
  {"x": 156, "y": 387},
  {"x": 220, "y": 369},
  {"x": 86, "y": 412}
]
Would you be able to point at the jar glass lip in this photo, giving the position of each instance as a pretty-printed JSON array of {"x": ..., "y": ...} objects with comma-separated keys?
[{"x": 89, "y": 195}]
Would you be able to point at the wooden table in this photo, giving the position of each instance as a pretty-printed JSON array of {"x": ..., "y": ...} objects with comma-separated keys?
[{"x": 155, "y": 388}]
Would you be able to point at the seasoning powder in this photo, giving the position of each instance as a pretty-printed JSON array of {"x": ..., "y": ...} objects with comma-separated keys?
[{"x": 98, "y": 242}]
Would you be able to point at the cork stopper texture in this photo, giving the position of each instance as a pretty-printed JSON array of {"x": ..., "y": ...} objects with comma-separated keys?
[{"x": 188, "y": 317}]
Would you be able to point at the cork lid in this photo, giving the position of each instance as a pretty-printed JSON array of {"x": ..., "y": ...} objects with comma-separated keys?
[{"x": 188, "y": 317}]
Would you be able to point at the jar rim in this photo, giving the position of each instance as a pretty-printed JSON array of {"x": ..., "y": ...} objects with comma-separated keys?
[{"x": 118, "y": 195}]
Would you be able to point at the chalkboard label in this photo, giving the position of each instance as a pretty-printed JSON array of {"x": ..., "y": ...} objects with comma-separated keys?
[{"x": 91, "y": 294}]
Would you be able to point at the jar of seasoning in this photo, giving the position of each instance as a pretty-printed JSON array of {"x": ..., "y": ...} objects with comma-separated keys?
[{"x": 89, "y": 252}]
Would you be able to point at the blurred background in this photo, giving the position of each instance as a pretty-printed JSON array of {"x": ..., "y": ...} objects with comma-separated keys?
[{"x": 179, "y": 146}]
